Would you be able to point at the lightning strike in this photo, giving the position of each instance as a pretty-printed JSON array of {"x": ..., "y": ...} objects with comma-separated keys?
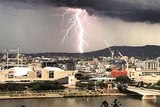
[{"x": 75, "y": 24}]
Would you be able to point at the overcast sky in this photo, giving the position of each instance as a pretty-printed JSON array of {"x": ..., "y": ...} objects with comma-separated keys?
[{"x": 36, "y": 27}]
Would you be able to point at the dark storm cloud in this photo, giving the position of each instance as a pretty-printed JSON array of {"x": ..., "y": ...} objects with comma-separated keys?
[{"x": 127, "y": 10}]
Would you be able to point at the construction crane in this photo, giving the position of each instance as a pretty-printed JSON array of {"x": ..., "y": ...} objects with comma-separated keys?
[
  {"x": 123, "y": 57},
  {"x": 111, "y": 51}
]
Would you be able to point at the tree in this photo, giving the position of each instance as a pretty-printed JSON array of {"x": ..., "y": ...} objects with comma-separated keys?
[
  {"x": 82, "y": 77},
  {"x": 109, "y": 69},
  {"x": 90, "y": 85},
  {"x": 46, "y": 85},
  {"x": 122, "y": 88},
  {"x": 101, "y": 84},
  {"x": 79, "y": 76},
  {"x": 123, "y": 79},
  {"x": 81, "y": 85},
  {"x": 141, "y": 84},
  {"x": 2, "y": 87},
  {"x": 158, "y": 83},
  {"x": 12, "y": 87}
]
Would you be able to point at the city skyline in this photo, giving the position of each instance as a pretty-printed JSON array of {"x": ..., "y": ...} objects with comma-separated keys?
[{"x": 36, "y": 27}]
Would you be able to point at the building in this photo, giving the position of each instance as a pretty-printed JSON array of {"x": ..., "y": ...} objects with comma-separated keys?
[
  {"x": 151, "y": 65},
  {"x": 115, "y": 73},
  {"x": 147, "y": 71},
  {"x": 147, "y": 76},
  {"x": 28, "y": 75},
  {"x": 132, "y": 73}
]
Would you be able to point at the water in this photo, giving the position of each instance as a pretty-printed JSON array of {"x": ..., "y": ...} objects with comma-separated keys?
[{"x": 126, "y": 101}]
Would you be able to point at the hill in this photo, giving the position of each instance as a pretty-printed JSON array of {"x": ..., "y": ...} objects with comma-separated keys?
[{"x": 148, "y": 51}]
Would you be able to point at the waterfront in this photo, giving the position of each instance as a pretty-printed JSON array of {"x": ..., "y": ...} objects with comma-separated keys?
[{"x": 126, "y": 101}]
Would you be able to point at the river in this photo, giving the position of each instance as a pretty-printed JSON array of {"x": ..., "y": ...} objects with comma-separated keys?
[{"x": 126, "y": 101}]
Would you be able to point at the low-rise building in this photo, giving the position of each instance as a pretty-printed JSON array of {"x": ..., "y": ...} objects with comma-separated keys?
[
  {"x": 28, "y": 75},
  {"x": 147, "y": 76},
  {"x": 115, "y": 73}
]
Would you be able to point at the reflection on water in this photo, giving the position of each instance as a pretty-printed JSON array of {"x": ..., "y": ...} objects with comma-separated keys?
[{"x": 126, "y": 101}]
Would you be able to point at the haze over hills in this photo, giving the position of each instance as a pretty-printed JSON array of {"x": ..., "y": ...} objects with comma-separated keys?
[{"x": 148, "y": 51}]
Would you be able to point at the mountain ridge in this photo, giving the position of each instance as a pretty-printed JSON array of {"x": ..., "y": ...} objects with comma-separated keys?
[{"x": 150, "y": 51}]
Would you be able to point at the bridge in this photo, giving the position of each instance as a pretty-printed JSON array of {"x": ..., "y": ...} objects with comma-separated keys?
[{"x": 146, "y": 93}]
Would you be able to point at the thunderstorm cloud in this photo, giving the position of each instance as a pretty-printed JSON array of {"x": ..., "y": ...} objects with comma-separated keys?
[
  {"x": 35, "y": 26},
  {"x": 127, "y": 10}
]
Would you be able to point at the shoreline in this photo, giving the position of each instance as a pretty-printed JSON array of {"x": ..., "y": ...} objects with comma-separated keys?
[{"x": 68, "y": 95}]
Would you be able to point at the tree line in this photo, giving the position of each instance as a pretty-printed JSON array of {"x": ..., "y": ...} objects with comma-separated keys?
[{"x": 35, "y": 86}]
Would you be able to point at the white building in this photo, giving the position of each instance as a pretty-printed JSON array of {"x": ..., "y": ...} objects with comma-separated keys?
[
  {"x": 151, "y": 65},
  {"x": 27, "y": 75}
]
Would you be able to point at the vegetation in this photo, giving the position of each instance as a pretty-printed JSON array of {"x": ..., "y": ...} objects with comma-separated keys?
[
  {"x": 81, "y": 76},
  {"x": 36, "y": 86},
  {"x": 148, "y": 85},
  {"x": 156, "y": 86},
  {"x": 100, "y": 84},
  {"x": 122, "y": 88},
  {"x": 12, "y": 87},
  {"x": 46, "y": 85},
  {"x": 123, "y": 79},
  {"x": 158, "y": 83},
  {"x": 81, "y": 85},
  {"x": 90, "y": 85}
]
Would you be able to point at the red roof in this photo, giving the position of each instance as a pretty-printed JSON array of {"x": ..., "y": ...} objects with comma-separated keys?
[{"x": 115, "y": 73}]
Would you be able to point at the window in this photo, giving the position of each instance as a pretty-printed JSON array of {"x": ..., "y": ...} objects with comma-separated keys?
[
  {"x": 11, "y": 74},
  {"x": 39, "y": 74},
  {"x": 51, "y": 74}
]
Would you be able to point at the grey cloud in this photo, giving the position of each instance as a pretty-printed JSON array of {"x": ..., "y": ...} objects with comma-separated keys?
[
  {"x": 34, "y": 26},
  {"x": 127, "y": 10}
]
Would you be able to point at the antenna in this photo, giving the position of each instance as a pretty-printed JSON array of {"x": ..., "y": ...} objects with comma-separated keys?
[
  {"x": 112, "y": 52},
  {"x": 18, "y": 55}
]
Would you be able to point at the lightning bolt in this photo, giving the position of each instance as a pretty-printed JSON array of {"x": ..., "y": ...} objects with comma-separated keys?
[{"x": 75, "y": 24}]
